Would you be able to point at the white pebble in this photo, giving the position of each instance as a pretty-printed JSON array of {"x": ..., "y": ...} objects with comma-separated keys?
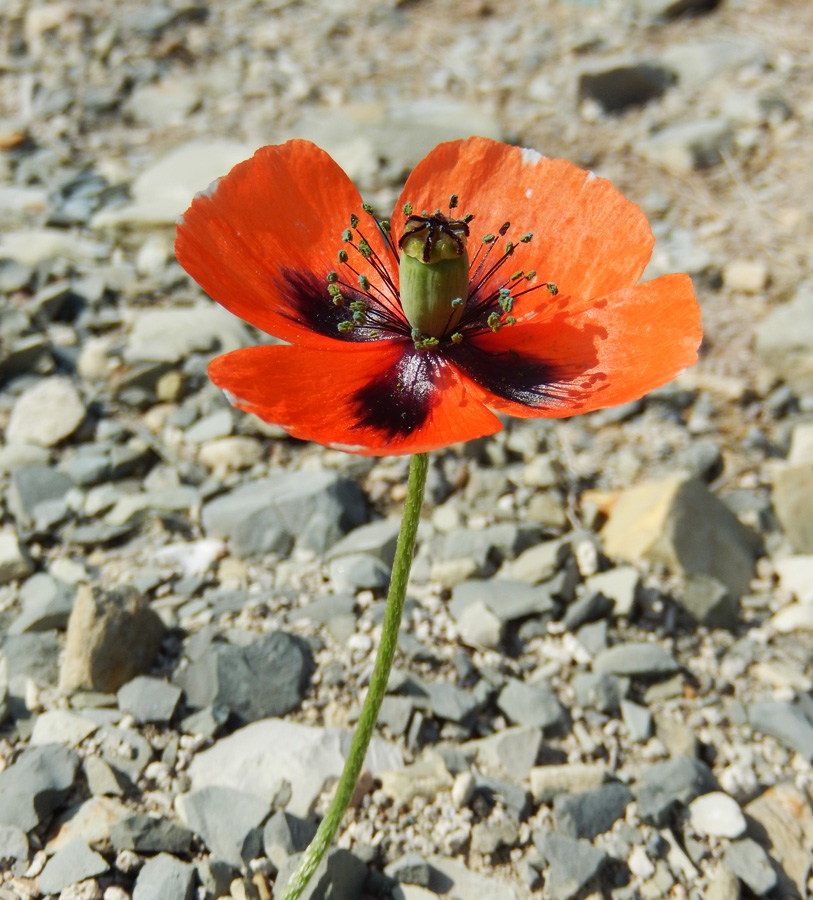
[{"x": 717, "y": 815}]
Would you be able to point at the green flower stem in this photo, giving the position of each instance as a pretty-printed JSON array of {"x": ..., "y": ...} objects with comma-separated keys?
[{"x": 401, "y": 566}]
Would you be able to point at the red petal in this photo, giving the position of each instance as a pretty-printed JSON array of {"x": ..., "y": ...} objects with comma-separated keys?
[
  {"x": 623, "y": 346},
  {"x": 587, "y": 237},
  {"x": 283, "y": 210},
  {"x": 375, "y": 399}
]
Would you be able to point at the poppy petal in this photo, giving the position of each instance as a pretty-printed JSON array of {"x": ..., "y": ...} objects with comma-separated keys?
[
  {"x": 262, "y": 240},
  {"x": 623, "y": 346},
  {"x": 374, "y": 399},
  {"x": 587, "y": 237}
]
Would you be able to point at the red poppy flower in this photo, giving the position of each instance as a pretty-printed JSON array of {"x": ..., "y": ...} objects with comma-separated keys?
[{"x": 518, "y": 295}]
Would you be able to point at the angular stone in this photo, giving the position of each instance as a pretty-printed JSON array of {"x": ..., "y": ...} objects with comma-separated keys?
[
  {"x": 125, "y": 750},
  {"x": 411, "y": 868},
  {"x": 573, "y": 864},
  {"x": 507, "y": 600},
  {"x": 269, "y": 677},
  {"x": 531, "y": 704},
  {"x": 682, "y": 525},
  {"x": 479, "y": 627},
  {"x": 61, "y": 726},
  {"x": 785, "y": 722},
  {"x": 33, "y": 786},
  {"x": 73, "y": 863},
  {"x": 751, "y": 864},
  {"x": 166, "y": 877},
  {"x": 511, "y": 751},
  {"x": 793, "y": 502},
  {"x": 229, "y": 822},
  {"x": 682, "y": 148},
  {"x": 260, "y": 758},
  {"x": 426, "y": 777},
  {"x": 709, "y": 602},
  {"x": 675, "y": 782},
  {"x": 587, "y": 814},
  {"x": 450, "y": 702},
  {"x": 15, "y": 563},
  {"x": 91, "y": 820},
  {"x": 112, "y": 637},
  {"x": 377, "y": 539},
  {"x": 452, "y": 877},
  {"x": 148, "y": 834},
  {"x": 600, "y": 691},
  {"x": 47, "y": 604},
  {"x": 149, "y": 699},
  {"x": 339, "y": 874},
  {"x": 636, "y": 659},
  {"x": 46, "y": 414},
  {"x": 264, "y": 516},
  {"x": 288, "y": 832},
  {"x": 616, "y": 84},
  {"x": 32, "y": 486}
]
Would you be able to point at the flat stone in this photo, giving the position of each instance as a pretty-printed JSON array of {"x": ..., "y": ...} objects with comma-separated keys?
[
  {"x": 149, "y": 699},
  {"x": 600, "y": 691},
  {"x": 229, "y": 821},
  {"x": 793, "y": 617},
  {"x": 511, "y": 752},
  {"x": 675, "y": 782},
  {"x": 515, "y": 798},
  {"x": 376, "y": 539},
  {"x": 47, "y": 603},
  {"x": 231, "y": 454},
  {"x": 46, "y": 413},
  {"x": 751, "y": 864},
  {"x": 796, "y": 575},
  {"x": 92, "y": 820},
  {"x": 572, "y": 864},
  {"x": 785, "y": 722},
  {"x": 61, "y": 726},
  {"x": 358, "y": 572},
  {"x": 636, "y": 659},
  {"x": 166, "y": 877},
  {"x": 536, "y": 564},
  {"x": 15, "y": 563},
  {"x": 588, "y": 608},
  {"x": 530, "y": 704},
  {"x": 32, "y": 486},
  {"x": 747, "y": 275},
  {"x": 323, "y": 609},
  {"x": 13, "y": 843},
  {"x": 148, "y": 834},
  {"x": 792, "y": 498},
  {"x": 268, "y": 677},
  {"x": 339, "y": 874},
  {"x": 587, "y": 814},
  {"x": 35, "y": 785},
  {"x": 218, "y": 424},
  {"x": 638, "y": 720},
  {"x": 455, "y": 878},
  {"x": 507, "y": 600},
  {"x": 426, "y": 777},
  {"x": 478, "y": 626},
  {"x": 717, "y": 815},
  {"x": 287, "y": 832},
  {"x": 411, "y": 868},
  {"x": 266, "y": 515},
  {"x": 126, "y": 750},
  {"x": 112, "y": 637},
  {"x": 74, "y": 862},
  {"x": 163, "y": 190},
  {"x": 30, "y": 656},
  {"x": 784, "y": 340},
  {"x": 42, "y": 245},
  {"x": 260, "y": 757},
  {"x": 489, "y": 837},
  {"x": 709, "y": 602},
  {"x": 451, "y": 703},
  {"x": 547, "y": 782},
  {"x": 682, "y": 525}
]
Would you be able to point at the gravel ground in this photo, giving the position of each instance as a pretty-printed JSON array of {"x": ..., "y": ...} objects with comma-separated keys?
[{"x": 604, "y": 686}]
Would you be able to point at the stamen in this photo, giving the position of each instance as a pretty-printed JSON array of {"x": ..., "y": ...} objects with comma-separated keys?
[
  {"x": 453, "y": 201},
  {"x": 525, "y": 239},
  {"x": 407, "y": 207},
  {"x": 342, "y": 256},
  {"x": 364, "y": 282},
  {"x": 354, "y": 220},
  {"x": 347, "y": 236},
  {"x": 518, "y": 274},
  {"x": 552, "y": 288},
  {"x": 367, "y": 207},
  {"x": 457, "y": 338},
  {"x": 345, "y": 327},
  {"x": 504, "y": 229},
  {"x": 332, "y": 277}
]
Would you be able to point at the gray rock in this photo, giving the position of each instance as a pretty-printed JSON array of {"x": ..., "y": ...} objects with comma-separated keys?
[
  {"x": 13, "y": 843},
  {"x": 262, "y": 757},
  {"x": 786, "y": 722},
  {"x": 148, "y": 834},
  {"x": 35, "y": 785},
  {"x": 592, "y": 606},
  {"x": 588, "y": 814},
  {"x": 489, "y": 837},
  {"x": 515, "y": 799},
  {"x": 74, "y": 862},
  {"x": 709, "y": 602},
  {"x": 126, "y": 750},
  {"x": 149, "y": 699},
  {"x": 690, "y": 145},
  {"x": 618, "y": 84},
  {"x": 682, "y": 525},
  {"x": 636, "y": 659},
  {"x": 593, "y": 637},
  {"x": 784, "y": 340},
  {"x": 339, "y": 874},
  {"x": 61, "y": 726},
  {"x": 266, "y": 515},
  {"x": 793, "y": 502},
  {"x": 207, "y": 721},
  {"x": 511, "y": 752},
  {"x": 47, "y": 603},
  {"x": 600, "y": 691},
  {"x": 507, "y": 600},
  {"x": 32, "y": 486},
  {"x": 376, "y": 539},
  {"x": 487, "y": 547},
  {"x": 411, "y": 868},
  {"x": 538, "y": 563},
  {"x": 531, "y": 704},
  {"x": 638, "y": 720},
  {"x": 358, "y": 572},
  {"x": 667, "y": 785},
  {"x": 269, "y": 677},
  {"x": 288, "y": 832},
  {"x": 452, "y": 877},
  {"x": 112, "y": 637},
  {"x": 216, "y": 425},
  {"x": 101, "y": 778},
  {"x": 30, "y": 656},
  {"x": 450, "y": 702},
  {"x": 166, "y": 877},
  {"x": 46, "y": 413},
  {"x": 573, "y": 864},
  {"x": 229, "y": 821},
  {"x": 666, "y": 10},
  {"x": 15, "y": 563},
  {"x": 323, "y": 609},
  {"x": 751, "y": 864}
]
